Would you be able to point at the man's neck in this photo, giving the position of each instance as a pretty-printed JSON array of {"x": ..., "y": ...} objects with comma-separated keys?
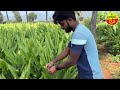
[{"x": 75, "y": 25}]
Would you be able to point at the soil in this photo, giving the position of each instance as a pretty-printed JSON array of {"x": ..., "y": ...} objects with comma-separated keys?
[{"x": 108, "y": 68}]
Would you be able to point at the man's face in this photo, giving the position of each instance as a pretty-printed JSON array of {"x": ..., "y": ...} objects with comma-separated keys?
[{"x": 65, "y": 25}]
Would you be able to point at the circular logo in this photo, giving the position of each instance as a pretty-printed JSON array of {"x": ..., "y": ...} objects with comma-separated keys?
[{"x": 112, "y": 18}]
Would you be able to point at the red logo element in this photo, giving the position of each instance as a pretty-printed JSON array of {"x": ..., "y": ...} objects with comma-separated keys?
[
  {"x": 112, "y": 21},
  {"x": 112, "y": 18}
]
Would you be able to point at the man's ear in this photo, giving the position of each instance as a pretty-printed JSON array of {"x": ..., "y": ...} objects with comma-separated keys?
[{"x": 70, "y": 19}]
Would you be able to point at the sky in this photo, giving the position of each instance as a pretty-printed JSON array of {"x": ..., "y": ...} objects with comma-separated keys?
[{"x": 41, "y": 15}]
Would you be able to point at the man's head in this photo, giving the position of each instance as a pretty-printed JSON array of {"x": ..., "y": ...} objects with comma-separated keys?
[{"x": 66, "y": 19}]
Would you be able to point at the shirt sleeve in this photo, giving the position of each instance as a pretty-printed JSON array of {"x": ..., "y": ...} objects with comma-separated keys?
[
  {"x": 77, "y": 49},
  {"x": 78, "y": 43}
]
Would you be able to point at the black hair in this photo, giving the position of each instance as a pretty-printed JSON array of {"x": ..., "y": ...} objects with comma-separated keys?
[{"x": 63, "y": 15}]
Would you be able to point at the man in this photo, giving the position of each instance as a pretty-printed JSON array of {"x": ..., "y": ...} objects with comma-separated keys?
[{"x": 81, "y": 48}]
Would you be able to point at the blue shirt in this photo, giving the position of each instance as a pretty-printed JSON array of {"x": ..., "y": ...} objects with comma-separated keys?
[{"x": 82, "y": 42}]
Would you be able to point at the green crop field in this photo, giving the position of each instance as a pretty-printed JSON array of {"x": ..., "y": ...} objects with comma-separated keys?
[{"x": 25, "y": 49}]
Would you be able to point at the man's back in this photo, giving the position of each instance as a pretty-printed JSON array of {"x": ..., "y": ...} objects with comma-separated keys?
[{"x": 88, "y": 63}]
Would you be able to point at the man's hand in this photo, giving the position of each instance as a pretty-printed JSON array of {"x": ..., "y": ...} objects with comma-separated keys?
[
  {"x": 52, "y": 70},
  {"x": 49, "y": 65}
]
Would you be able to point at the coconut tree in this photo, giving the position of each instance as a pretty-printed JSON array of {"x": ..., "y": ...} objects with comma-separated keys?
[
  {"x": 7, "y": 16},
  {"x": 46, "y": 15},
  {"x": 26, "y": 16}
]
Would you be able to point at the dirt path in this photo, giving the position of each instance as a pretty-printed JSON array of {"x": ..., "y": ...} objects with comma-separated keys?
[
  {"x": 109, "y": 69},
  {"x": 106, "y": 72}
]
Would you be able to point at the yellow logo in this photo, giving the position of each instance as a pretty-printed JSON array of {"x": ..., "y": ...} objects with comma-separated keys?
[{"x": 112, "y": 18}]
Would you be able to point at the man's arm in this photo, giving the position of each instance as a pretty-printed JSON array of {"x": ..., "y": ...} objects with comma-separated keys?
[
  {"x": 72, "y": 61},
  {"x": 74, "y": 56},
  {"x": 63, "y": 55}
]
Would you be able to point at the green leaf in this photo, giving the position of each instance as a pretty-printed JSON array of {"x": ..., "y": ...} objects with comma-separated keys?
[
  {"x": 10, "y": 67},
  {"x": 26, "y": 72}
]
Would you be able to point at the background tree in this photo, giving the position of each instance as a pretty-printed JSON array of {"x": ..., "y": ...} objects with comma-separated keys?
[
  {"x": 46, "y": 16},
  {"x": 17, "y": 16},
  {"x": 32, "y": 16},
  {"x": 93, "y": 22},
  {"x": 26, "y": 16},
  {"x": 1, "y": 17},
  {"x": 7, "y": 16}
]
